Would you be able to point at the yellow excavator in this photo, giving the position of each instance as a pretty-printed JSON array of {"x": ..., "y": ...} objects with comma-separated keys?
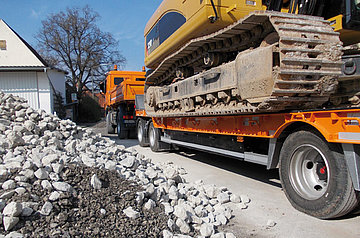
[{"x": 209, "y": 57}]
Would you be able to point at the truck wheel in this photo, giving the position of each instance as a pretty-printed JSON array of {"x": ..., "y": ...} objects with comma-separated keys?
[
  {"x": 315, "y": 177},
  {"x": 109, "y": 126},
  {"x": 140, "y": 129},
  {"x": 154, "y": 138},
  {"x": 122, "y": 132}
]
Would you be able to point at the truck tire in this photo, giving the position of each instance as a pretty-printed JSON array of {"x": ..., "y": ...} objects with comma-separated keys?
[
  {"x": 315, "y": 177},
  {"x": 122, "y": 132},
  {"x": 154, "y": 138},
  {"x": 141, "y": 132},
  {"x": 109, "y": 126}
]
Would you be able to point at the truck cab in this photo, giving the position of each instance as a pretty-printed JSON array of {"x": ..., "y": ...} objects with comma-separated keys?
[{"x": 120, "y": 88}]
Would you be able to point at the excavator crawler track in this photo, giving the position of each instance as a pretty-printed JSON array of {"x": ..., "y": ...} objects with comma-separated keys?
[{"x": 297, "y": 71}]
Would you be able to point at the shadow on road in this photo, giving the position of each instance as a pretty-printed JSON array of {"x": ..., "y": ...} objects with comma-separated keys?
[
  {"x": 125, "y": 142},
  {"x": 250, "y": 170}
]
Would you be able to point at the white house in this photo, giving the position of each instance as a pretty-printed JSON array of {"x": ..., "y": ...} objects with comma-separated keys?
[{"x": 24, "y": 73}]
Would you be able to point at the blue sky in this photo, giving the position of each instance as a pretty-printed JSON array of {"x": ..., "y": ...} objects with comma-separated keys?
[{"x": 125, "y": 19}]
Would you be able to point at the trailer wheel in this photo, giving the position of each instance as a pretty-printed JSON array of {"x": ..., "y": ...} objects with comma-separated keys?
[
  {"x": 122, "y": 132},
  {"x": 140, "y": 129},
  {"x": 154, "y": 138},
  {"x": 109, "y": 126},
  {"x": 356, "y": 210},
  {"x": 315, "y": 177}
]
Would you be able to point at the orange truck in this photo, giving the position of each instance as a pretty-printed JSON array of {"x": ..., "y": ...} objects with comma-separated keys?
[{"x": 120, "y": 88}]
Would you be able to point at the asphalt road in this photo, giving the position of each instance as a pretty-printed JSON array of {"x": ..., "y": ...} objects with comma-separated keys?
[{"x": 262, "y": 186}]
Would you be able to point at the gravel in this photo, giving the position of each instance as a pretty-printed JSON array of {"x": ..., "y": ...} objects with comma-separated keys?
[{"x": 61, "y": 180}]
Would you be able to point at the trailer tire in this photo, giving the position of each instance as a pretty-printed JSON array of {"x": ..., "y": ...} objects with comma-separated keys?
[
  {"x": 109, "y": 126},
  {"x": 141, "y": 132},
  {"x": 122, "y": 132},
  {"x": 315, "y": 177},
  {"x": 356, "y": 210},
  {"x": 154, "y": 138}
]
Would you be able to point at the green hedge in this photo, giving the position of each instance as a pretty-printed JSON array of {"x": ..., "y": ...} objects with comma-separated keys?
[{"x": 89, "y": 110}]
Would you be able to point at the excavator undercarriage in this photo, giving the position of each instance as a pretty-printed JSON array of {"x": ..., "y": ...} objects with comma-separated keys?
[{"x": 268, "y": 61}]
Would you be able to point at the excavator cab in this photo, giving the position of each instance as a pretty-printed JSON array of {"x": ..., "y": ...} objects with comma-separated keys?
[
  {"x": 352, "y": 14},
  {"x": 349, "y": 9},
  {"x": 344, "y": 14}
]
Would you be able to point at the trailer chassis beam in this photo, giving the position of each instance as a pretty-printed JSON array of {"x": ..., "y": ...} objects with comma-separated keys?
[{"x": 246, "y": 156}]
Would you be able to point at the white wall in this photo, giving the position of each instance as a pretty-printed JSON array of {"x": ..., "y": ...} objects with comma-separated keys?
[
  {"x": 33, "y": 86},
  {"x": 57, "y": 79},
  {"x": 22, "y": 84},
  {"x": 45, "y": 96}
]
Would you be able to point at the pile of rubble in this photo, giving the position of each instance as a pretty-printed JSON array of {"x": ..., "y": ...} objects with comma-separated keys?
[{"x": 61, "y": 180}]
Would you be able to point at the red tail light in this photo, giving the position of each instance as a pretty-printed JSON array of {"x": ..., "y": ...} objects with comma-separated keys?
[{"x": 127, "y": 117}]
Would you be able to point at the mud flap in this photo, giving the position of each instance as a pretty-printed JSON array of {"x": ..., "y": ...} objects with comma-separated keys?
[
  {"x": 352, "y": 157},
  {"x": 164, "y": 146}
]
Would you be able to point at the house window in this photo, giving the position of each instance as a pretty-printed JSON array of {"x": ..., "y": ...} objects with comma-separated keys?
[{"x": 2, "y": 44}]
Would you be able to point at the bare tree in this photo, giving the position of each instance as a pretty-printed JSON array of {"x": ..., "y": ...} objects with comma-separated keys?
[{"x": 72, "y": 40}]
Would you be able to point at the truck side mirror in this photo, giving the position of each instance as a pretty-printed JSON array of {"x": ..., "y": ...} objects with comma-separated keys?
[{"x": 102, "y": 86}]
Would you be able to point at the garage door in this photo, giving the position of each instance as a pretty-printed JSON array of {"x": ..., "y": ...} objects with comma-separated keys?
[{"x": 23, "y": 84}]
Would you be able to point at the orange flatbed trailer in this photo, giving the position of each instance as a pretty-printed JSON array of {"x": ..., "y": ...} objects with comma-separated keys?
[
  {"x": 308, "y": 147},
  {"x": 337, "y": 126}
]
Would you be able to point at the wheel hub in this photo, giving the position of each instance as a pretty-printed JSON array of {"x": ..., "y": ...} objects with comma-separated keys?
[
  {"x": 309, "y": 172},
  {"x": 322, "y": 171},
  {"x": 152, "y": 137},
  {"x": 140, "y": 132}
]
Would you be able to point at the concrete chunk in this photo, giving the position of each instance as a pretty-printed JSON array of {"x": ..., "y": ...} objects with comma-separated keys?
[
  {"x": 95, "y": 182},
  {"x": 131, "y": 213},
  {"x": 9, "y": 222},
  {"x": 12, "y": 209}
]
